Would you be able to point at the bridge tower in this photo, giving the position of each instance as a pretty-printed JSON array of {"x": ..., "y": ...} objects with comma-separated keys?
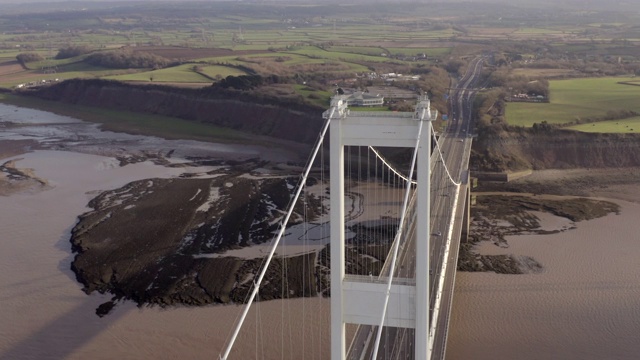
[{"x": 361, "y": 301}]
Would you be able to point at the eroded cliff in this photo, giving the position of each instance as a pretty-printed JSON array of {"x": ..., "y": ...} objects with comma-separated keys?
[
  {"x": 250, "y": 112},
  {"x": 521, "y": 148}
]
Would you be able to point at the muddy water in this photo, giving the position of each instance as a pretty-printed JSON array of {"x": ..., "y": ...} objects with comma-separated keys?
[
  {"x": 65, "y": 133},
  {"x": 45, "y": 315},
  {"x": 585, "y": 305}
]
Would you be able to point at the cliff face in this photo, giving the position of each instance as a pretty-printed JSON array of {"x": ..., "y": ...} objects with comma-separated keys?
[
  {"x": 243, "y": 111},
  {"x": 525, "y": 148},
  {"x": 495, "y": 149}
]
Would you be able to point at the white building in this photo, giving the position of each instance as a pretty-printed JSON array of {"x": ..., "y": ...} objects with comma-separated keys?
[{"x": 360, "y": 98}]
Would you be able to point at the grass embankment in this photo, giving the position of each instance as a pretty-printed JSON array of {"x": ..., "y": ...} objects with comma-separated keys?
[
  {"x": 134, "y": 123},
  {"x": 314, "y": 96},
  {"x": 631, "y": 125},
  {"x": 576, "y": 99}
]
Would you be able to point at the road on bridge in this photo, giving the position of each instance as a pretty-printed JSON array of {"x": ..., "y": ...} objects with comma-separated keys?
[{"x": 455, "y": 145}]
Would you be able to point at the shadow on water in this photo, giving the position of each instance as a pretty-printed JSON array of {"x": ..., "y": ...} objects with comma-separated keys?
[
  {"x": 73, "y": 329},
  {"x": 63, "y": 336},
  {"x": 64, "y": 244}
]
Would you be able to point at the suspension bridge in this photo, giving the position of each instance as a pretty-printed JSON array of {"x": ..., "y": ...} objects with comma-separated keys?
[{"x": 396, "y": 222}]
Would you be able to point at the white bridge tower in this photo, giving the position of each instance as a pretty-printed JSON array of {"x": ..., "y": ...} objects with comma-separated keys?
[{"x": 362, "y": 301}]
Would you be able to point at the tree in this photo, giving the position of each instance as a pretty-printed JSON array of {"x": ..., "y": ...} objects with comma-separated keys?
[
  {"x": 126, "y": 59},
  {"x": 72, "y": 51},
  {"x": 25, "y": 58},
  {"x": 453, "y": 66},
  {"x": 242, "y": 82}
]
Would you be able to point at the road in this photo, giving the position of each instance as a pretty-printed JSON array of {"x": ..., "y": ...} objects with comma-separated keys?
[{"x": 455, "y": 145}]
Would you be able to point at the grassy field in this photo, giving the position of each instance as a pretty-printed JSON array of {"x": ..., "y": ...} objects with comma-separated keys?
[
  {"x": 577, "y": 98},
  {"x": 314, "y": 52},
  {"x": 530, "y": 31},
  {"x": 181, "y": 73},
  {"x": 631, "y": 125},
  {"x": 134, "y": 123},
  {"x": 320, "y": 98},
  {"x": 547, "y": 73},
  {"x": 435, "y": 51}
]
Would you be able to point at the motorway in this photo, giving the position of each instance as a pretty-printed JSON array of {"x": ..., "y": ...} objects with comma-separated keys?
[{"x": 455, "y": 147}]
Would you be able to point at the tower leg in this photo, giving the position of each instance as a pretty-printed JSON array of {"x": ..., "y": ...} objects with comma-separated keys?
[
  {"x": 338, "y": 345},
  {"x": 422, "y": 246}
]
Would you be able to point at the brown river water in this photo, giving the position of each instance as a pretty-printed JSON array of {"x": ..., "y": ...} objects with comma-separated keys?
[{"x": 584, "y": 305}]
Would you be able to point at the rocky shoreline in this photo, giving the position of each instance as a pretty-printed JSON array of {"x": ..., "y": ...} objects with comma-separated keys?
[
  {"x": 14, "y": 179},
  {"x": 151, "y": 240},
  {"x": 162, "y": 241}
]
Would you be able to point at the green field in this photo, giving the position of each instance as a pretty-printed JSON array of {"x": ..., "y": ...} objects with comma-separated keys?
[
  {"x": 182, "y": 73},
  {"x": 435, "y": 51},
  {"x": 314, "y": 52},
  {"x": 320, "y": 98},
  {"x": 631, "y": 125},
  {"x": 536, "y": 31},
  {"x": 577, "y": 99}
]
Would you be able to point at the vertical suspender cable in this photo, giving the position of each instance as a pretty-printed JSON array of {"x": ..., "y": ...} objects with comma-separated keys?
[
  {"x": 396, "y": 247},
  {"x": 283, "y": 226}
]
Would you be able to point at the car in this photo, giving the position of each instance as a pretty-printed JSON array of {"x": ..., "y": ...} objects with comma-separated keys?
[
  {"x": 437, "y": 233},
  {"x": 460, "y": 140}
]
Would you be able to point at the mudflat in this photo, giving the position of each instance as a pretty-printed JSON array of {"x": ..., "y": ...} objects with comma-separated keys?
[{"x": 46, "y": 314}]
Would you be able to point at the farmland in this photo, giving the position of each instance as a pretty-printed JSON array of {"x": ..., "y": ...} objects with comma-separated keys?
[
  {"x": 631, "y": 125},
  {"x": 308, "y": 51},
  {"x": 577, "y": 100},
  {"x": 222, "y": 39}
]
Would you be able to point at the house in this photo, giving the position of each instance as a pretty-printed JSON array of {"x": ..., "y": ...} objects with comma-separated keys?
[{"x": 360, "y": 98}]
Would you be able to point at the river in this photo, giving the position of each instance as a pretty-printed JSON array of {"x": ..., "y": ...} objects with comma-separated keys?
[
  {"x": 44, "y": 312},
  {"x": 584, "y": 305}
]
